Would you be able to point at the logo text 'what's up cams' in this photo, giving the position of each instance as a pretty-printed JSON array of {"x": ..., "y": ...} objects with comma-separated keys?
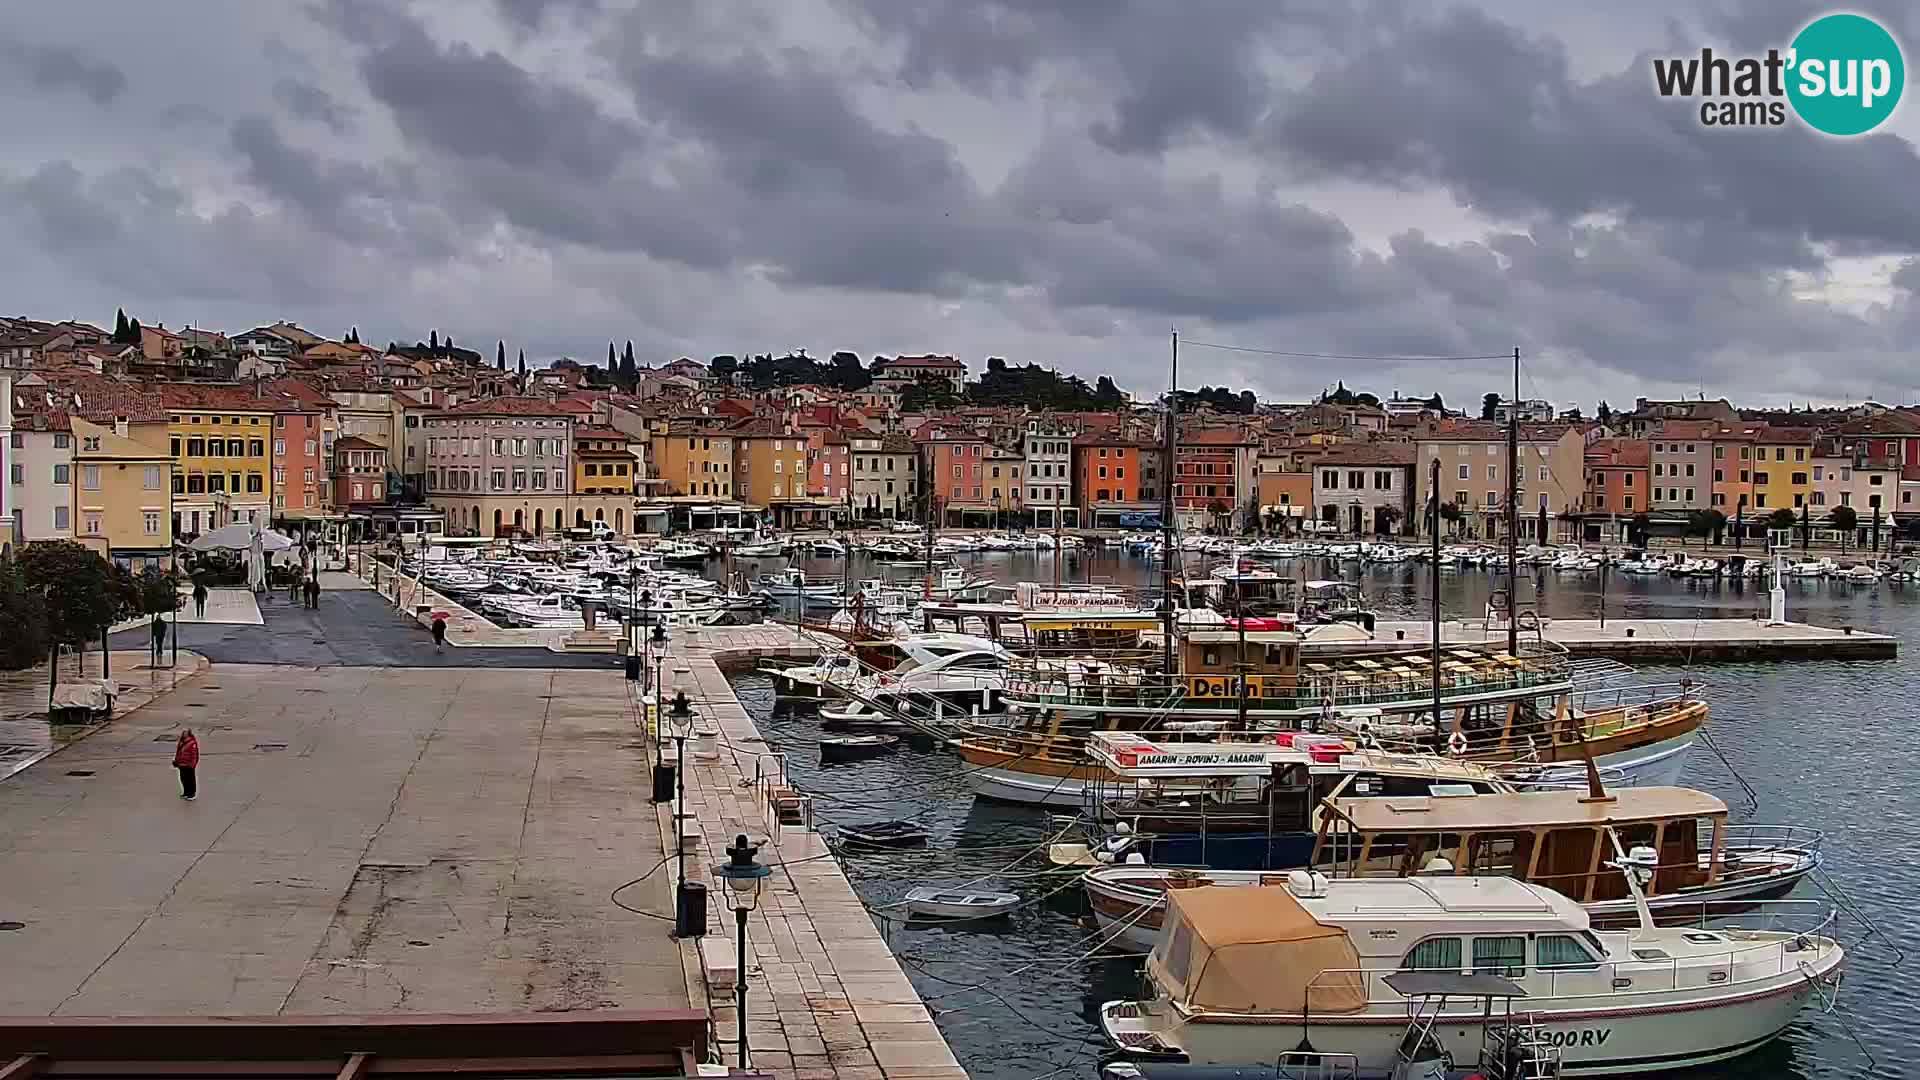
[{"x": 1842, "y": 75}]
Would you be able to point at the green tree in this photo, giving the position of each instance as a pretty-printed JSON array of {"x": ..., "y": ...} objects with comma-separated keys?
[
  {"x": 1436, "y": 404},
  {"x": 155, "y": 592},
  {"x": 120, "y": 326},
  {"x": 133, "y": 332},
  {"x": 500, "y": 355},
  {"x": 1845, "y": 519},
  {"x": 523, "y": 363},
  {"x": 1450, "y": 513},
  {"x": 723, "y": 366},
  {"x": 1781, "y": 519},
  {"x": 1489, "y": 406},
  {"x": 629, "y": 371},
  {"x": 1388, "y": 518},
  {"x": 433, "y": 340},
  {"x": 929, "y": 394},
  {"x": 24, "y": 613},
  {"x": 1603, "y": 412},
  {"x": 82, "y": 593},
  {"x": 1220, "y": 511}
]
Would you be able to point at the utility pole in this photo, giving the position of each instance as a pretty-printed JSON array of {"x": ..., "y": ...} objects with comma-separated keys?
[
  {"x": 1170, "y": 442},
  {"x": 1433, "y": 486},
  {"x": 1513, "y": 513}
]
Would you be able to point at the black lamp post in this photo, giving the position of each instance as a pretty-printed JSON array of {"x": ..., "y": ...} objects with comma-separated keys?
[
  {"x": 743, "y": 876},
  {"x": 681, "y": 714}
]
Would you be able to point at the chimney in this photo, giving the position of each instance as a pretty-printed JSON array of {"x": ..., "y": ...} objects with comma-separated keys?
[{"x": 120, "y": 426}]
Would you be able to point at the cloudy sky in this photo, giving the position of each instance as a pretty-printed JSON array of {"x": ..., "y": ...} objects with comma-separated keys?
[{"x": 1058, "y": 181}]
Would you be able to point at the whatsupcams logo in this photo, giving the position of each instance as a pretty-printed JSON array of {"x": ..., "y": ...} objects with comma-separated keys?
[{"x": 1842, "y": 75}]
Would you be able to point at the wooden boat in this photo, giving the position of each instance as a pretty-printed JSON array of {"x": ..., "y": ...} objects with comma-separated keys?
[
  {"x": 935, "y": 903},
  {"x": 1523, "y": 708},
  {"x": 884, "y": 834},
  {"x": 844, "y": 748},
  {"x": 1553, "y": 838}
]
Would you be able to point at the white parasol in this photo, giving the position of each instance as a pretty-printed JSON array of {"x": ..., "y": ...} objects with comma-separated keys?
[{"x": 241, "y": 537}]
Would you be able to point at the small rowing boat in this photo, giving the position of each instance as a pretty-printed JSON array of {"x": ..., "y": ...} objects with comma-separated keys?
[{"x": 959, "y": 903}]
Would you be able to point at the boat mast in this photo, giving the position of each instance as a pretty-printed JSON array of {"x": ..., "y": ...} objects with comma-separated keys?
[
  {"x": 933, "y": 512},
  {"x": 1433, "y": 487},
  {"x": 1170, "y": 442},
  {"x": 1513, "y": 513}
]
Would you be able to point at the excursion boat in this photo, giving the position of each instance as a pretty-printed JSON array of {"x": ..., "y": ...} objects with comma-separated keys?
[
  {"x": 1554, "y": 838},
  {"x": 1524, "y": 709},
  {"x": 1246, "y": 975}
]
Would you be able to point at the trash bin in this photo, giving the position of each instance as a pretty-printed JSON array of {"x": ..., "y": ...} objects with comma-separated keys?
[
  {"x": 663, "y": 783},
  {"x": 633, "y": 667},
  {"x": 690, "y": 910}
]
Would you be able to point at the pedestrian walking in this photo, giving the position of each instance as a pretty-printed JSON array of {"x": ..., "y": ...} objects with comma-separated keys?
[
  {"x": 439, "y": 631},
  {"x": 199, "y": 600},
  {"x": 313, "y": 593},
  {"x": 293, "y": 587},
  {"x": 159, "y": 639},
  {"x": 186, "y": 758}
]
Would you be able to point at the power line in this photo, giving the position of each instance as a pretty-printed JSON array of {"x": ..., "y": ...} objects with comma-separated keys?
[{"x": 1336, "y": 356}]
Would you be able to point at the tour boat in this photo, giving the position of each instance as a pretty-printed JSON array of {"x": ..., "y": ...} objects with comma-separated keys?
[
  {"x": 1524, "y": 708},
  {"x": 1243, "y": 975},
  {"x": 1552, "y": 838}
]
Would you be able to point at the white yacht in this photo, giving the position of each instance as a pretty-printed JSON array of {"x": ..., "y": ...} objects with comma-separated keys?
[
  {"x": 1245, "y": 975},
  {"x": 959, "y": 672}
]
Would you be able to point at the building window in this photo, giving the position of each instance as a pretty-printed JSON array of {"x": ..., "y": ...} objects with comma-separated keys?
[
  {"x": 256, "y": 448},
  {"x": 60, "y": 474},
  {"x": 62, "y": 441},
  {"x": 60, "y": 518},
  {"x": 90, "y": 480},
  {"x": 153, "y": 522},
  {"x": 499, "y": 478},
  {"x": 1628, "y": 477},
  {"x": 255, "y": 483}
]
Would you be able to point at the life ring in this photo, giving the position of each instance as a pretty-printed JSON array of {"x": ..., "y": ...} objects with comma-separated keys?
[{"x": 1457, "y": 743}]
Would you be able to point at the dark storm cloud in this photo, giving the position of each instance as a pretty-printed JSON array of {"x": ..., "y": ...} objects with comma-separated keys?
[
  {"x": 1494, "y": 115},
  {"x": 63, "y": 68},
  {"x": 484, "y": 106}
]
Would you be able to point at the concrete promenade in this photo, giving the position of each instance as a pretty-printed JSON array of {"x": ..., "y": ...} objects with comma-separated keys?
[
  {"x": 365, "y": 840},
  {"x": 832, "y": 1001}
]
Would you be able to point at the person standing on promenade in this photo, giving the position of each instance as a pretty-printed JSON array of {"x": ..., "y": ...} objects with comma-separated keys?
[
  {"x": 313, "y": 593},
  {"x": 439, "y": 631},
  {"x": 186, "y": 758},
  {"x": 199, "y": 600},
  {"x": 159, "y": 639}
]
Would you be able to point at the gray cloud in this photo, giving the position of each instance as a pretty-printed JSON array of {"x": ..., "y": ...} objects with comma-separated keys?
[
  {"x": 63, "y": 68},
  {"x": 1054, "y": 180},
  {"x": 308, "y": 102}
]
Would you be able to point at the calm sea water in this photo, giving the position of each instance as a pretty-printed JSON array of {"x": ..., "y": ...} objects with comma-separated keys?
[{"x": 1822, "y": 745}]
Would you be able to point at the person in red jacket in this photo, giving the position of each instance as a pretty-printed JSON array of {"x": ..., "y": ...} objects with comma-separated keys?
[{"x": 186, "y": 758}]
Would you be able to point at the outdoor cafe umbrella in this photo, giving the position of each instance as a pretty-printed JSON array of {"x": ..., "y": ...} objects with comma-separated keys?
[{"x": 240, "y": 537}]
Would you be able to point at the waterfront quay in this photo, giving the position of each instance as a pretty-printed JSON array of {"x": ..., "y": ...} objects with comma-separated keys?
[{"x": 1679, "y": 641}]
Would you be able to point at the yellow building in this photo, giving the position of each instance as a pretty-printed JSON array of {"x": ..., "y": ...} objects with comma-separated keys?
[
  {"x": 219, "y": 437},
  {"x": 769, "y": 466},
  {"x": 602, "y": 464},
  {"x": 1782, "y": 468},
  {"x": 694, "y": 462},
  {"x": 123, "y": 490}
]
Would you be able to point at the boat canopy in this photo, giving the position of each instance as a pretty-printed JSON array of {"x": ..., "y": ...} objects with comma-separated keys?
[
  {"x": 1524, "y": 810},
  {"x": 1255, "y": 950}
]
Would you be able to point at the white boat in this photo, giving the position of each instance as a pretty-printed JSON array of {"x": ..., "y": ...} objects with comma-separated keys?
[
  {"x": 936, "y": 675},
  {"x": 1686, "y": 566},
  {"x": 763, "y": 549},
  {"x": 1812, "y": 568},
  {"x": 826, "y": 546},
  {"x": 959, "y": 903},
  {"x": 681, "y": 551},
  {"x": 1860, "y": 574},
  {"x": 1247, "y": 975},
  {"x": 793, "y": 582}
]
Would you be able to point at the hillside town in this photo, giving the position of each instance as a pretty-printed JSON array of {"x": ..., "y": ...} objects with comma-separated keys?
[{"x": 132, "y": 439}]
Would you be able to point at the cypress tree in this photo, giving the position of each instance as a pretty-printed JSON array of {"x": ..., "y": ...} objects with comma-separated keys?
[
  {"x": 523, "y": 363},
  {"x": 120, "y": 325},
  {"x": 500, "y": 355},
  {"x": 433, "y": 340}
]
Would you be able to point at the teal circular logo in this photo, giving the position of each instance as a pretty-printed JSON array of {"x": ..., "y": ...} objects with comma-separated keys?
[{"x": 1846, "y": 74}]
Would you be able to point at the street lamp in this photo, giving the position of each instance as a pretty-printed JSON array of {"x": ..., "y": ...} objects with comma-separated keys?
[
  {"x": 743, "y": 876},
  {"x": 681, "y": 714}
]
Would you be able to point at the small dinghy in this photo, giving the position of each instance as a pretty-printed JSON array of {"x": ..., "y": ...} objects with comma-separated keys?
[
  {"x": 933, "y": 903},
  {"x": 871, "y": 723},
  {"x": 856, "y": 747},
  {"x": 884, "y": 834}
]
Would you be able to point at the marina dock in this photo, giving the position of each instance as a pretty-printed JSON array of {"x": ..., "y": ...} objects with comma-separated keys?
[
  {"x": 1677, "y": 641},
  {"x": 839, "y": 1000}
]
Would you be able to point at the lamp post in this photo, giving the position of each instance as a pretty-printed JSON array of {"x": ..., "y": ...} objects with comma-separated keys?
[
  {"x": 681, "y": 713},
  {"x": 743, "y": 876}
]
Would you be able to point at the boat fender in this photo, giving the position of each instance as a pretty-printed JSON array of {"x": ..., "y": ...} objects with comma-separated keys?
[{"x": 1457, "y": 743}]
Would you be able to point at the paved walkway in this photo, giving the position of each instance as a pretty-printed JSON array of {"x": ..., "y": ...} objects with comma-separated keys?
[
  {"x": 225, "y": 607},
  {"x": 354, "y": 627},
  {"x": 366, "y": 840},
  {"x": 827, "y": 1000},
  {"x": 25, "y": 735}
]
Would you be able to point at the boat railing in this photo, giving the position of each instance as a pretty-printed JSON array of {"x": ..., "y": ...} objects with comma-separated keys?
[
  {"x": 1762, "y": 839},
  {"x": 1114, "y": 686},
  {"x": 1753, "y": 954}
]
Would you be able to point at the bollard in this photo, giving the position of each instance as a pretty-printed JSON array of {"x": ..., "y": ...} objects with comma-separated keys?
[
  {"x": 1400, "y": 635},
  {"x": 1629, "y": 631}
]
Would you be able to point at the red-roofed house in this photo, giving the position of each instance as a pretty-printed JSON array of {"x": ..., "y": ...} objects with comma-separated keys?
[{"x": 501, "y": 465}]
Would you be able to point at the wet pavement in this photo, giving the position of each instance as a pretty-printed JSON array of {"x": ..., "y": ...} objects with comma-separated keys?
[{"x": 351, "y": 628}]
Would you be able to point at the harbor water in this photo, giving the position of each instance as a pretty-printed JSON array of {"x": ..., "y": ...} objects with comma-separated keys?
[{"x": 1820, "y": 744}]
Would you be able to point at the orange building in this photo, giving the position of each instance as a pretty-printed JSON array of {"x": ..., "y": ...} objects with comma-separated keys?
[
  {"x": 1618, "y": 478},
  {"x": 1110, "y": 485}
]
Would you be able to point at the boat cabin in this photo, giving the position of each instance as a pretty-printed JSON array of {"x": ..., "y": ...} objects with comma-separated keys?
[
  {"x": 1132, "y": 635},
  {"x": 1242, "y": 590},
  {"x": 1270, "y": 649},
  {"x": 1553, "y": 838}
]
